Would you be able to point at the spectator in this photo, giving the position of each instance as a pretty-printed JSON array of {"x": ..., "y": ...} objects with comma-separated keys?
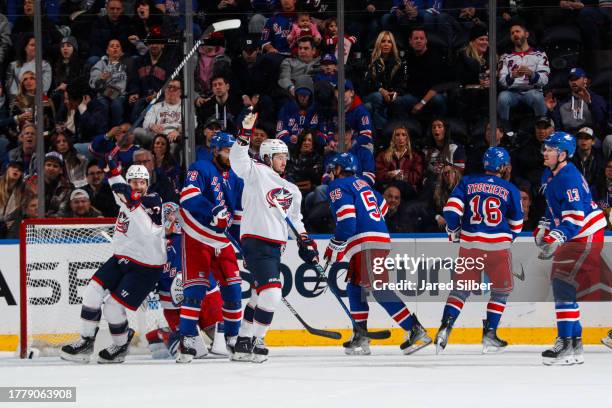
[
  {"x": 399, "y": 164},
  {"x": 473, "y": 71},
  {"x": 83, "y": 116},
  {"x": 164, "y": 161},
  {"x": 424, "y": 72},
  {"x": 261, "y": 132},
  {"x": 303, "y": 26},
  {"x": 306, "y": 165},
  {"x": 330, "y": 40},
  {"x": 113, "y": 26},
  {"x": 25, "y": 152},
  {"x": 529, "y": 223},
  {"x": 164, "y": 118},
  {"x": 588, "y": 159},
  {"x": 522, "y": 75},
  {"x": 145, "y": 21},
  {"x": 24, "y": 26},
  {"x": 277, "y": 28},
  {"x": 582, "y": 108},
  {"x": 5, "y": 39},
  {"x": 158, "y": 182},
  {"x": 383, "y": 78},
  {"x": 211, "y": 127},
  {"x": 447, "y": 180},
  {"x": 99, "y": 192},
  {"x": 80, "y": 206},
  {"x": 395, "y": 219},
  {"x": 212, "y": 62},
  {"x": 25, "y": 55},
  {"x": 305, "y": 64},
  {"x": 67, "y": 67},
  {"x": 109, "y": 78},
  {"x": 594, "y": 23},
  {"x": 298, "y": 114},
  {"x": 57, "y": 186},
  {"x": 224, "y": 105},
  {"x": 11, "y": 193},
  {"x": 105, "y": 143},
  {"x": 603, "y": 192},
  {"x": 357, "y": 118},
  {"x": 440, "y": 150},
  {"x": 75, "y": 163},
  {"x": 477, "y": 149},
  {"x": 25, "y": 101},
  {"x": 28, "y": 209},
  {"x": 527, "y": 160},
  {"x": 329, "y": 70}
]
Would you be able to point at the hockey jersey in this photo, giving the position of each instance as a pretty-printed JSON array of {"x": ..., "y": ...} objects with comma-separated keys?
[
  {"x": 536, "y": 61},
  {"x": 359, "y": 213},
  {"x": 172, "y": 267},
  {"x": 262, "y": 187},
  {"x": 276, "y": 30},
  {"x": 203, "y": 190},
  {"x": 488, "y": 210},
  {"x": 139, "y": 233},
  {"x": 570, "y": 208},
  {"x": 292, "y": 120}
]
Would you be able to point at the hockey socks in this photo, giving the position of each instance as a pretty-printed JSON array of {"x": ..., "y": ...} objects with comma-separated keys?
[
  {"x": 495, "y": 309},
  {"x": 268, "y": 300},
  {"x": 91, "y": 311},
  {"x": 568, "y": 319},
  {"x": 246, "y": 328},
  {"x": 454, "y": 304},
  {"x": 359, "y": 307},
  {"x": 395, "y": 308},
  {"x": 232, "y": 308},
  {"x": 190, "y": 310},
  {"x": 117, "y": 320}
]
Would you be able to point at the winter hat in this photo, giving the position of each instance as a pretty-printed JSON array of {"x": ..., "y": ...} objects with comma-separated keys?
[{"x": 72, "y": 41}]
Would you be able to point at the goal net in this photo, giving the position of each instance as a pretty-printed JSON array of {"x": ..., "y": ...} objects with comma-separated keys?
[{"x": 58, "y": 257}]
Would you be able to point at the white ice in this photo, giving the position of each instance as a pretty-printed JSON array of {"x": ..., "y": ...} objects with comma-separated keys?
[{"x": 325, "y": 377}]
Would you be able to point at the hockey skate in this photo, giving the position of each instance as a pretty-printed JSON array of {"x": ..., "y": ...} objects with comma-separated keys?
[
  {"x": 260, "y": 352},
  {"x": 416, "y": 338},
  {"x": 578, "y": 350},
  {"x": 243, "y": 350},
  {"x": 607, "y": 341},
  {"x": 115, "y": 354},
  {"x": 562, "y": 353},
  {"x": 443, "y": 334},
  {"x": 186, "y": 349},
  {"x": 218, "y": 347},
  {"x": 358, "y": 345},
  {"x": 80, "y": 351},
  {"x": 490, "y": 342}
]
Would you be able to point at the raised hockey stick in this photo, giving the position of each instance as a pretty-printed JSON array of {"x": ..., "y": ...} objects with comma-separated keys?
[
  {"x": 213, "y": 28},
  {"x": 382, "y": 334},
  {"x": 316, "y": 332}
]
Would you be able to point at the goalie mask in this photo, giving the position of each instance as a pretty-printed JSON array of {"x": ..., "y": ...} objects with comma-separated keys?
[{"x": 170, "y": 217}]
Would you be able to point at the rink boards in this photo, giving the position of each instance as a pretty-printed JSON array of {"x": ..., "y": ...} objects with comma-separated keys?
[{"x": 528, "y": 320}]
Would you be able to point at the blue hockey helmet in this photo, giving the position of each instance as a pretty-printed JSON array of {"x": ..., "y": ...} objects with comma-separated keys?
[
  {"x": 494, "y": 158},
  {"x": 562, "y": 141},
  {"x": 221, "y": 140},
  {"x": 346, "y": 161}
]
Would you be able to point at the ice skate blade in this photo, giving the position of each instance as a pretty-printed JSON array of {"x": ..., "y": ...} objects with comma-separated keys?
[
  {"x": 258, "y": 358},
  {"x": 492, "y": 349},
  {"x": 579, "y": 359},
  {"x": 241, "y": 357},
  {"x": 424, "y": 342},
  {"x": 439, "y": 348},
  {"x": 568, "y": 360},
  {"x": 607, "y": 342},
  {"x": 357, "y": 352},
  {"x": 214, "y": 356},
  {"x": 117, "y": 360},
  {"x": 184, "y": 358},
  {"x": 78, "y": 358}
]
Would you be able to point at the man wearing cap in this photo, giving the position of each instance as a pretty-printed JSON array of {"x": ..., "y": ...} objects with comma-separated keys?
[
  {"x": 210, "y": 128},
  {"x": 582, "y": 108},
  {"x": 357, "y": 119},
  {"x": 80, "y": 206},
  {"x": 588, "y": 159},
  {"x": 329, "y": 70},
  {"x": 57, "y": 186},
  {"x": 304, "y": 65},
  {"x": 298, "y": 114}
]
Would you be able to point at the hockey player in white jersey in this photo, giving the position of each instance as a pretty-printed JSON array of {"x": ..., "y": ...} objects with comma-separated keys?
[
  {"x": 264, "y": 232},
  {"x": 130, "y": 274}
]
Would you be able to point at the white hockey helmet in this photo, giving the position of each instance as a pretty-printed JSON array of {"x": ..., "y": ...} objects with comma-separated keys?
[
  {"x": 270, "y": 147},
  {"x": 137, "y": 171}
]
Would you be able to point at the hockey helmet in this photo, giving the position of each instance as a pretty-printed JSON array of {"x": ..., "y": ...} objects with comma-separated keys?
[
  {"x": 170, "y": 217},
  {"x": 270, "y": 147},
  {"x": 221, "y": 140},
  {"x": 494, "y": 158},
  {"x": 562, "y": 141},
  {"x": 346, "y": 161},
  {"x": 137, "y": 171}
]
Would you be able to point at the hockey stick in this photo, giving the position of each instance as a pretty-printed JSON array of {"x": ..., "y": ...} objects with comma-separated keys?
[
  {"x": 309, "y": 329},
  {"x": 383, "y": 334},
  {"x": 213, "y": 28}
]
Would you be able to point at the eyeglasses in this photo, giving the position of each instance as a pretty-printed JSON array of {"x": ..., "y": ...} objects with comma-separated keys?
[{"x": 95, "y": 173}]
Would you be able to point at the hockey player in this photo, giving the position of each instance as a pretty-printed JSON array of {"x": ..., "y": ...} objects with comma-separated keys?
[
  {"x": 205, "y": 216},
  {"x": 264, "y": 232},
  {"x": 484, "y": 213},
  {"x": 361, "y": 236},
  {"x": 139, "y": 254},
  {"x": 572, "y": 234}
]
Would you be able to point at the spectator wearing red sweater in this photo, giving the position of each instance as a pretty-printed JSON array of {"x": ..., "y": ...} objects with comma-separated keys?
[{"x": 400, "y": 163}]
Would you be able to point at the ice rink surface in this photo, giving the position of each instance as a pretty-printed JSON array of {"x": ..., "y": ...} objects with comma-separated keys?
[{"x": 318, "y": 377}]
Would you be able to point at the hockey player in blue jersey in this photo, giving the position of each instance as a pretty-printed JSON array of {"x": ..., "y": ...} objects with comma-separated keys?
[
  {"x": 362, "y": 236},
  {"x": 572, "y": 234},
  {"x": 205, "y": 214},
  {"x": 139, "y": 254},
  {"x": 484, "y": 214}
]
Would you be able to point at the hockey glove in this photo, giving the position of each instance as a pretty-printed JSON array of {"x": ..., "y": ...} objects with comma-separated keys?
[
  {"x": 176, "y": 290},
  {"x": 334, "y": 251},
  {"x": 541, "y": 231},
  {"x": 248, "y": 123},
  {"x": 130, "y": 198},
  {"x": 550, "y": 243},
  {"x": 454, "y": 235},
  {"x": 308, "y": 250},
  {"x": 220, "y": 217},
  {"x": 114, "y": 167}
]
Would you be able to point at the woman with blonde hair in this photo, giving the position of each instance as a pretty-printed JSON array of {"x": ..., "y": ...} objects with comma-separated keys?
[
  {"x": 473, "y": 71},
  {"x": 399, "y": 163},
  {"x": 383, "y": 78},
  {"x": 11, "y": 193},
  {"x": 447, "y": 180},
  {"x": 23, "y": 105}
]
